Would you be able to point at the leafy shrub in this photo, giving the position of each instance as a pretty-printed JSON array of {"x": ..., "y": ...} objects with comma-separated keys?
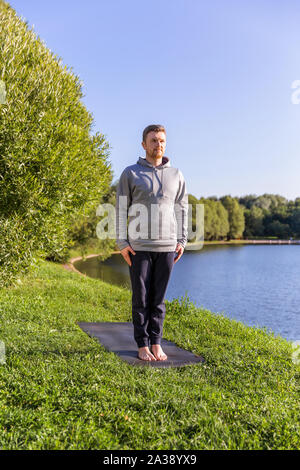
[{"x": 51, "y": 167}]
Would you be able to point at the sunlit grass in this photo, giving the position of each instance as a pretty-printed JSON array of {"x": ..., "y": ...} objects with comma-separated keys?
[{"x": 60, "y": 389}]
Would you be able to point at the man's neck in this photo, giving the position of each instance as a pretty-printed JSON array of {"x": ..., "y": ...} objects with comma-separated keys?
[{"x": 154, "y": 161}]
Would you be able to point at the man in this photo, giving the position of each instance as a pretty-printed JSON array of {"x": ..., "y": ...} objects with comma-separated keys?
[{"x": 151, "y": 184}]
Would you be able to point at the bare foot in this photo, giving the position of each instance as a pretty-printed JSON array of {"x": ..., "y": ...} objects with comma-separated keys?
[
  {"x": 158, "y": 352},
  {"x": 145, "y": 355}
]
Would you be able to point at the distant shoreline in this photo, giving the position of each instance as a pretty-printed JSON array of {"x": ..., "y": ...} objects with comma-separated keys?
[{"x": 252, "y": 242}]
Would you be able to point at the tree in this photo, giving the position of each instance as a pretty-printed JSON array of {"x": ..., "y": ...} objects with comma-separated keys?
[
  {"x": 223, "y": 222},
  {"x": 254, "y": 225},
  {"x": 216, "y": 225},
  {"x": 277, "y": 229},
  {"x": 270, "y": 202},
  {"x": 247, "y": 200},
  {"x": 235, "y": 217}
]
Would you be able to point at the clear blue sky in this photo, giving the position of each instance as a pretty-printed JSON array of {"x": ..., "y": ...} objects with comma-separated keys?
[{"x": 217, "y": 74}]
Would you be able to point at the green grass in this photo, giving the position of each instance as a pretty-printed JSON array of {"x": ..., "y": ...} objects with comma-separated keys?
[{"x": 60, "y": 389}]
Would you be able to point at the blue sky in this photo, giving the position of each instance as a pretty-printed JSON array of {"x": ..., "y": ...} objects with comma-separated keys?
[{"x": 217, "y": 74}]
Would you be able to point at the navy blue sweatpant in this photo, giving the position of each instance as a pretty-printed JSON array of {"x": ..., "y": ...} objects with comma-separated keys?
[{"x": 150, "y": 272}]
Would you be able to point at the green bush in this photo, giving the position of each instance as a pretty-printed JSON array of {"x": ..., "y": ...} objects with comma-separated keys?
[
  {"x": 52, "y": 168},
  {"x": 83, "y": 230}
]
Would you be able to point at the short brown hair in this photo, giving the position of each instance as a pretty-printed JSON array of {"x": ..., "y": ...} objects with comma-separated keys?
[{"x": 153, "y": 128}]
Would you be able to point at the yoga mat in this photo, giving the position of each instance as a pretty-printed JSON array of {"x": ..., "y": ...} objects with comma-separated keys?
[{"x": 118, "y": 337}]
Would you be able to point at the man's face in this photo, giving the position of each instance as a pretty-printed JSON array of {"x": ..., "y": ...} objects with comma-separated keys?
[{"x": 155, "y": 144}]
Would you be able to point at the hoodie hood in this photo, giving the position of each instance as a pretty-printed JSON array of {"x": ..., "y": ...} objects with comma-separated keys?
[{"x": 164, "y": 164}]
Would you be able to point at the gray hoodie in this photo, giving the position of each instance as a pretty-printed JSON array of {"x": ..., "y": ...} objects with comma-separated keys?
[{"x": 161, "y": 187}]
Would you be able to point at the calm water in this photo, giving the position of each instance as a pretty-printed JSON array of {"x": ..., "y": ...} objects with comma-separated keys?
[{"x": 258, "y": 285}]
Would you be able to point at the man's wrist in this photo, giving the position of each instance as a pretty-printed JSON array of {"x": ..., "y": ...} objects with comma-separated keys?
[{"x": 181, "y": 244}]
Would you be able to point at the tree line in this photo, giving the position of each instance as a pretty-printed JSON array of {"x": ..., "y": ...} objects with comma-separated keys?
[{"x": 250, "y": 216}]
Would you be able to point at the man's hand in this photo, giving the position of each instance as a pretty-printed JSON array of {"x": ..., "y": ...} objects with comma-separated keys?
[
  {"x": 179, "y": 250},
  {"x": 125, "y": 254}
]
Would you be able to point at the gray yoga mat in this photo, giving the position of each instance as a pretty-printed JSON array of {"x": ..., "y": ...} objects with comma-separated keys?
[{"x": 118, "y": 337}]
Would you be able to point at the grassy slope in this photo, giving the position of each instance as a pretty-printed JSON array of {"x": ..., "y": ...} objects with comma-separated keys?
[{"x": 61, "y": 390}]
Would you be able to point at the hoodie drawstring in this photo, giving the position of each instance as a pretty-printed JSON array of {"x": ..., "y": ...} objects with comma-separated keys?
[
  {"x": 152, "y": 182},
  {"x": 166, "y": 161},
  {"x": 162, "y": 180}
]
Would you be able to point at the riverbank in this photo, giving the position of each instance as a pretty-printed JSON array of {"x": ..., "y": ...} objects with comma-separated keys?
[
  {"x": 76, "y": 256},
  {"x": 69, "y": 266},
  {"x": 90, "y": 249},
  {"x": 62, "y": 390}
]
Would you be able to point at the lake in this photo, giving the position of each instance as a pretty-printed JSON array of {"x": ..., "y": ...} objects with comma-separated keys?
[{"x": 255, "y": 284}]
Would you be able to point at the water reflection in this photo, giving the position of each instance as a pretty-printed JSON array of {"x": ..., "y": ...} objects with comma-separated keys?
[{"x": 113, "y": 270}]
